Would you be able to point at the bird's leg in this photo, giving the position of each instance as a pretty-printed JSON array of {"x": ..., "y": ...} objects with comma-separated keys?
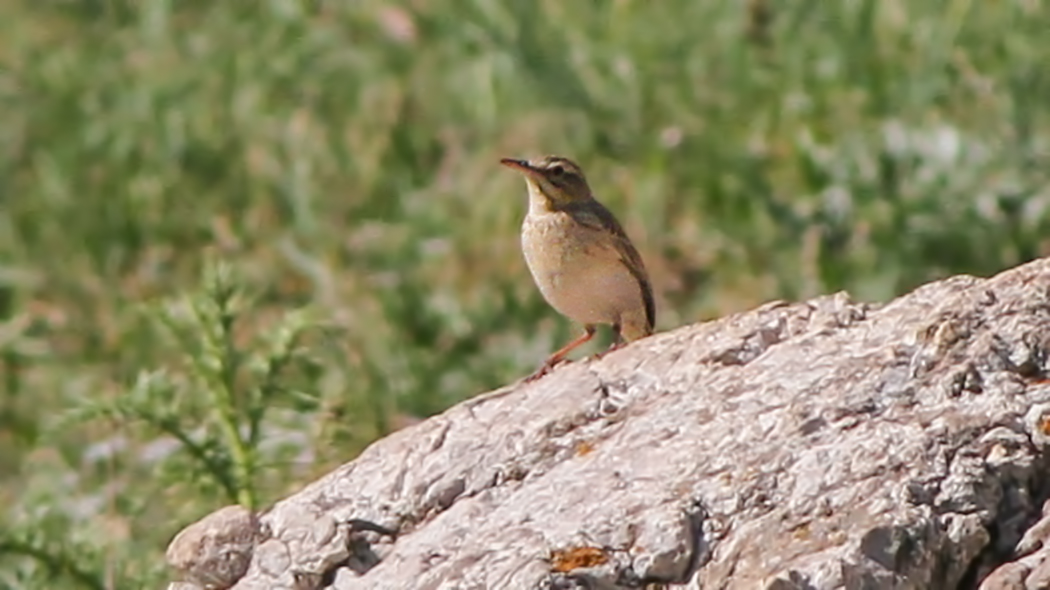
[
  {"x": 618, "y": 342},
  {"x": 559, "y": 356}
]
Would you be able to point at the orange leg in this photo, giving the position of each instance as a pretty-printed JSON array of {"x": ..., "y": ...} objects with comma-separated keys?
[
  {"x": 559, "y": 356},
  {"x": 618, "y": 343}
]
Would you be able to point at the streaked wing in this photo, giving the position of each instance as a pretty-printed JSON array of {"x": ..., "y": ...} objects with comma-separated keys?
[{"x": 594, "y": 215}]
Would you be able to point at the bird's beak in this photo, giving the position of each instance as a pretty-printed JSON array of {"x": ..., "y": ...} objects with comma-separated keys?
[{"x": 521, "y": 165}]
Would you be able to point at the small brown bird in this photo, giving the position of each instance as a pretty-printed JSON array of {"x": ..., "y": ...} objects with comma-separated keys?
[{"x": 580, "y": 257}]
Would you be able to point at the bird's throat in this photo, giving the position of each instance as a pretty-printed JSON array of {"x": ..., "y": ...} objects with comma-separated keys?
[{"x": 539, "y": 202}]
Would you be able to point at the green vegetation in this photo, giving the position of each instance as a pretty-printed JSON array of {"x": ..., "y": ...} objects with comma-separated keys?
[{"x": 241, "y": 240}]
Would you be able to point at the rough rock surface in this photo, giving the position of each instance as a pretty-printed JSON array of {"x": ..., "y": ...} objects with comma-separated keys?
[
  {"x": 215, "y": 551},
  {"x": 824, "y": 444}
]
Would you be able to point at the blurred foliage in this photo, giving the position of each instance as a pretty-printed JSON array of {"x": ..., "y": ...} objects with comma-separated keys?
[{"x": 340, "y": 158}]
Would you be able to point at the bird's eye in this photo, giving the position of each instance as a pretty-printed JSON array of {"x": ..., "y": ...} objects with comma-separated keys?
[{"x": 557, "y": 170}]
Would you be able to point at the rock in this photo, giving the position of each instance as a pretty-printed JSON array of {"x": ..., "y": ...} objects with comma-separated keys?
[
  {"x": 214, "y": 552},
  {"x": 823, "y": 444}
]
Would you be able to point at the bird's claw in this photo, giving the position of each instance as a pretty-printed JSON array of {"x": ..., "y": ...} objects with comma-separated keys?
[
  {"x": 616, "y": 346},
  {"x": 544, "y": 369}
]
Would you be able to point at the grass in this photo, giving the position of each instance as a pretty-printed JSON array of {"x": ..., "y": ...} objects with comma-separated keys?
[{"x": 240, "y": 241}]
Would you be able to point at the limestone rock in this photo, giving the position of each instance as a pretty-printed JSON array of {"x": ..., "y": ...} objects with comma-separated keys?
[
  {"x": 214, "y": 552},
  {"x": 823, "y": 444}
]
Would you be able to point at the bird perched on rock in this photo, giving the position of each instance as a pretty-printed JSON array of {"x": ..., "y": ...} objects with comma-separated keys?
[{"x": 580, "y": 257}]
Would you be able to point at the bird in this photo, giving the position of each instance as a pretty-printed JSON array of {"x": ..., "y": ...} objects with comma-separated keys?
[{"x": 580, "y": 257}]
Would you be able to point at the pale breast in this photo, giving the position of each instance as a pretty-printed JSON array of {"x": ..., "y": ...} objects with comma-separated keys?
[{"x": 578, "y": 270}]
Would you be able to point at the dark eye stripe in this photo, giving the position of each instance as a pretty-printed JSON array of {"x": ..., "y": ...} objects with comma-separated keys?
[{"x": 561, "y": 171}]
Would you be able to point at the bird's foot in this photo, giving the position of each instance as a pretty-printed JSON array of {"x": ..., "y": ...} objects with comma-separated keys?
[
  {"x": 616, "y": 346},
  {"x": 545, "y": 368}
]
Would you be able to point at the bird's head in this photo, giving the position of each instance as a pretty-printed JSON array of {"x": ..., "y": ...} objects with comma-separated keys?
[{"x": 553, "y": 181}]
